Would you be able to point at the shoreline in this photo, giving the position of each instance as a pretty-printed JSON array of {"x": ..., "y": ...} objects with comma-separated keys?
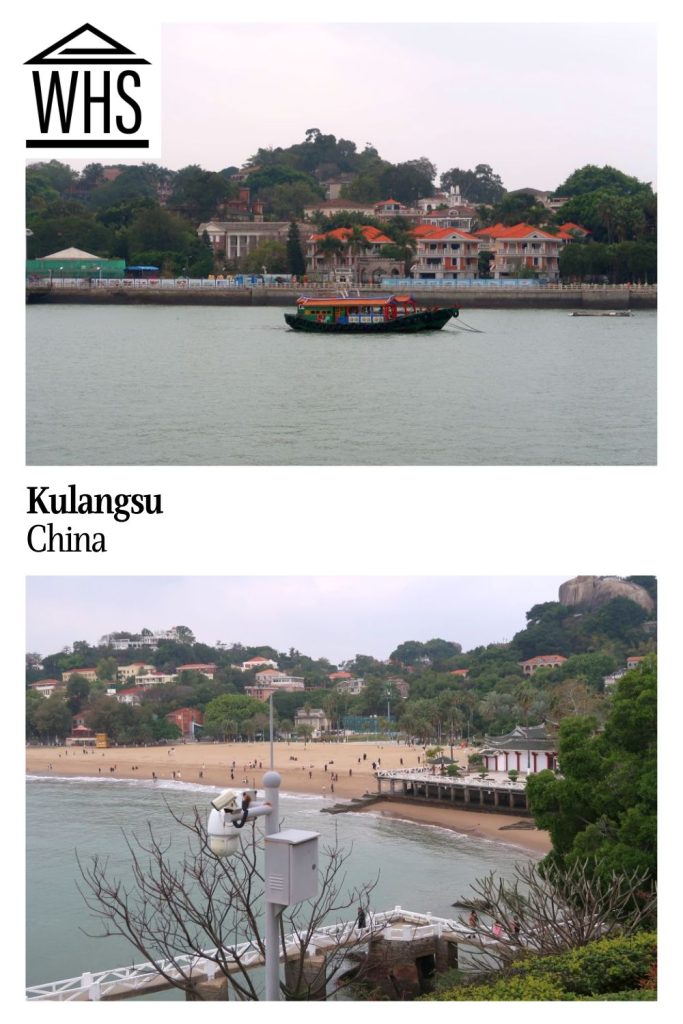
[
  {"x": 613, "y": 297},
  {"x": 481, "y": 826},
  {"x": 349, "y": 774}
]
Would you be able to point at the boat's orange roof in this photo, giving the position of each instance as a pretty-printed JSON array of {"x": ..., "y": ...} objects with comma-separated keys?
[{"x": 355, "y": 301}]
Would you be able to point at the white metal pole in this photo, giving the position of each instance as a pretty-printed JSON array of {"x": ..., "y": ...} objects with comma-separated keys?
[{"x": 271, "y": 785}]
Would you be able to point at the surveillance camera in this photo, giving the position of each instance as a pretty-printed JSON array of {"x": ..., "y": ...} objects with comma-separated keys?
[
  {"x": 232, "y": 801},
  {"x": 229, "y": 800},
  {"x": 223, "y": 839}
]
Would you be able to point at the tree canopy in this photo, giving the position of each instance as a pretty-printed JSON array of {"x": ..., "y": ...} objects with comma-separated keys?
[{"x": 604, "y": 807}]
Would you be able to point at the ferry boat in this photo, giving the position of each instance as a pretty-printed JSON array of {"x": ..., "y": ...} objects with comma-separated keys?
[{"x": 367, "y": 315}]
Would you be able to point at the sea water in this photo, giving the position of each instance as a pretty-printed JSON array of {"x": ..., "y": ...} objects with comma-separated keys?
[
  {"x": 421, "y": 868},
  {"x": 158, "y": 385}
]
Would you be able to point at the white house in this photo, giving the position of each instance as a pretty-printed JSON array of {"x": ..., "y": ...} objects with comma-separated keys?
[
  {"x": 257, "y": 662},
  {"x": 46, "y": 687}
]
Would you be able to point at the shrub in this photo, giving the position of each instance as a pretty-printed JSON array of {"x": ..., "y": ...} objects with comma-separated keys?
[
  {"x": 516, "y": 989},
  {"x": 609, "y": 965},
  {"x": 607, "y": 969}
]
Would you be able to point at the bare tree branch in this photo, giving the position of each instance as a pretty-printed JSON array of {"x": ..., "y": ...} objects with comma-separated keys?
[{"x": 186, "y": 901}]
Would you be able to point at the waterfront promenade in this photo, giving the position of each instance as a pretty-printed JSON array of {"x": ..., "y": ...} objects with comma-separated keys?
[{"x": 467, "y": 295}]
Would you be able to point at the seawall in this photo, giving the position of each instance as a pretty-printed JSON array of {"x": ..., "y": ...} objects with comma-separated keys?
[{"x": 469, "y": 298}]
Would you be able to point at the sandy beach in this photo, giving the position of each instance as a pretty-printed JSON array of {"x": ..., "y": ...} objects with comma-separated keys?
[{"x": 336, "y": 771}]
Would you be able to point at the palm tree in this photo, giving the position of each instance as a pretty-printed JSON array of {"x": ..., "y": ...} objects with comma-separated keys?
[
  {"x": 331, "y": 248},
  {"x": 356, "y": 243}
]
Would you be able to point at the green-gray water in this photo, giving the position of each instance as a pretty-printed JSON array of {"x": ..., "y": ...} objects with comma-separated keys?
[
  {"x": 232, "y": 386},
  {"x": 420, "y": 868}
]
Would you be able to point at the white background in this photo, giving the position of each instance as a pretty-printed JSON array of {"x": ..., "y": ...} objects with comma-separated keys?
[{"x": 407, "y": 520}]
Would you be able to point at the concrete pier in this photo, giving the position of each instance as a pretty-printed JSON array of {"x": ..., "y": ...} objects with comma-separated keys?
[{"x": 469, "y": 794}]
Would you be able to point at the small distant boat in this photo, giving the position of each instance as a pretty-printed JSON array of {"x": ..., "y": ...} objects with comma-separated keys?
[
  {"x": 367, "y": 315},
  {"x": 602, "y": 312}
]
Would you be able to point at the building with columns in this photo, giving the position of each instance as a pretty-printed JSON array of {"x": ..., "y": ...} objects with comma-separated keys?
[
  {"x": 526, "y": 749},
  {"x": 233, "y": 240}
]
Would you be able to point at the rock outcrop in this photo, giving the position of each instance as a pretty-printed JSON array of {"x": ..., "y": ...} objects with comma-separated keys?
[{"x": 589, "y": 593}]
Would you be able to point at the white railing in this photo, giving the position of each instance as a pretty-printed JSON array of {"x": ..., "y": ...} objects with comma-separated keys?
[
  {"x": 426, "y": 775},
  {"x": 396, "y": 924}
]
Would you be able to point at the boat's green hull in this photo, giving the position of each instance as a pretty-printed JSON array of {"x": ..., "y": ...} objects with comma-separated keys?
[{"x": 426, "y": 320}]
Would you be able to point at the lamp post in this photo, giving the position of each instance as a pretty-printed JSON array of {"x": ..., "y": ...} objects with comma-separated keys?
[{"x": 296, "y": 849}]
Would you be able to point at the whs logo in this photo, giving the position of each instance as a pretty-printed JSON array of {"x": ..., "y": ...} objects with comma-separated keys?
[{"x": 89, "y": 92}]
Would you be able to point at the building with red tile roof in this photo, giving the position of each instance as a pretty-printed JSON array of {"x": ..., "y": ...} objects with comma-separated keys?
[
  {"x": 131, "y": 695},
  {"x": 444, "y": 253},
  {"x": 257, "y": 662},
  {"x": 522, "y": 247},
  {"x": 207, "y": 669},
  {"x": 368, "y": 263},
  {"x": 541, "y": 661}
]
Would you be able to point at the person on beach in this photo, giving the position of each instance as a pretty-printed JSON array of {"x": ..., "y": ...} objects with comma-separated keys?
[
  {"x": 361, "y": 920},
  {"x": 516, "y": 927},
  {"x": 497, "y": 930},
  {"x": 473, "y": 920}
]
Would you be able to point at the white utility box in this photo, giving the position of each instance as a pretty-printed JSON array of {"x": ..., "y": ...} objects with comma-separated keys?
[{"x": 291, "y": 866}]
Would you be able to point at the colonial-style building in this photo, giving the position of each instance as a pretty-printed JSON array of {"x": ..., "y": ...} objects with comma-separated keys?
[
  {"x": 541, "y": 661},
  {"x": 526, "y": 749},
  {"x": 86, "y": 673},
  {"x": 351, "y": 686},
  {"x": 316, "y": 718},
  {"x": 270, "y": 681},
  {"x": 233, "y": 240},
  {"x": 367, "y": 265},
  {"x": 273, "y": 677},
  {"x": 460, "y": 216},
  {"x": 137, "y": 668},
  {"x": 521, "y": 247},
  {"x": 46, "y": 687},
  {"x": 155, "y": 679},
  {"x": 445, "y": 253}
]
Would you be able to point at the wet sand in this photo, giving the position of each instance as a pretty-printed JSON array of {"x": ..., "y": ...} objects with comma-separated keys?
[
  {"x": 484, "y": 826},
  {"x": 349, "y": 773}
]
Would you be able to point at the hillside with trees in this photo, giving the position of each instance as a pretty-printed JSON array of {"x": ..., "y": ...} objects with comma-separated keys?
[
  {"x": 431, "y": 690},
  {"x": 149, "y": 215}
]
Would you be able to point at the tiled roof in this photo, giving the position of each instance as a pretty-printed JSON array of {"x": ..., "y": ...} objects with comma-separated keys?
[
  {"x": 516, "y": 231},
  {"x": 570, "y": 226},
  {"x": 446, "y": 233},
  {"x": 371, "y": 234}
]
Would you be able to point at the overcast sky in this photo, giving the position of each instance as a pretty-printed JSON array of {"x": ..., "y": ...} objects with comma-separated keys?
[
  {"x": 323, "y": 616},
  {"x": 535, "y": 101}
]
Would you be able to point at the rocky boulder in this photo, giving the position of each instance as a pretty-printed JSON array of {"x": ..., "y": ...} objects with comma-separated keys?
[{"x": 589, "y": 593}]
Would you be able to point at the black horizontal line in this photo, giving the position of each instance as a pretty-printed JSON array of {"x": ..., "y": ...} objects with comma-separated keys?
[
  {"x": 93, "y": 60},
  {"x": 89, "y": 143}
]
